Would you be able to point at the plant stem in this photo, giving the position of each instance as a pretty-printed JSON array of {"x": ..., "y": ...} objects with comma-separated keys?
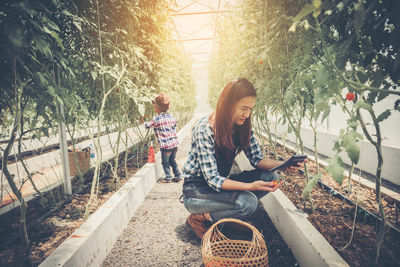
[
  {"x": 126, "y": 154},
  {"x": 116, "y": 159},
  {"x": 349, "y": 178},
  {"x": 300, "y": 140},
  {"x": 315, "y": 147},
  {"x": 270, "y": 135},
  {"x": 378, "y": 179},
  {"x": 353, "y": 228},
  {"x": 17, "y": 121}
]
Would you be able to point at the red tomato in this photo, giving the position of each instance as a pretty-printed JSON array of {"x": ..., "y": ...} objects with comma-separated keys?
[
  {"x": 350, "y": 96},
  {"x": 261, "y": 61}
]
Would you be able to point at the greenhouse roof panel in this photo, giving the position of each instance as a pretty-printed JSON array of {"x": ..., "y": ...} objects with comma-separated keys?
[{"x": 196, "y": 24}]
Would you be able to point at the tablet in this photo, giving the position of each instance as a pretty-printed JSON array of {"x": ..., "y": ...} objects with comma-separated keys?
[{"x": 290, "y": 162}]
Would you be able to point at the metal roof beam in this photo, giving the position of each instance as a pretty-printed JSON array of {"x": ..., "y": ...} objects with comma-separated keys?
[
  {"x": 188, "y": 5},
  {"x": 195, "y": 39},
  {"x": 205, "y": 5},
  {"x": 199, "y": 13},
  {"x": 197, "y": 30},
  {"x": 201, "y": 44},
  {"x": 216, "y": 20}
]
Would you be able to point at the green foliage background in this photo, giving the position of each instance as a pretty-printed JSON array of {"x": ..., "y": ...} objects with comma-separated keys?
[
  {"x": 50, "y": 53},
  {"x": 304, "y": 56}
]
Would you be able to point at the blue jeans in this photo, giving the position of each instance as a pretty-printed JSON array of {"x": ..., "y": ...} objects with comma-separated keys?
[
  {"x": 242, "y": 208},
  {"x": 168, "y": 159}
]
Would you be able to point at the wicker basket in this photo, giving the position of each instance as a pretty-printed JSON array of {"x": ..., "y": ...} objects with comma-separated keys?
[
  {"x": 218, "y": 250},
  {"x": 83, "y": 161}
]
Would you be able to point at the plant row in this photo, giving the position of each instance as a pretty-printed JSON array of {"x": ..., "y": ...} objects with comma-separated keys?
[
  {"x": 305, "y": 57},
  {"x": 80, "y": 62}
]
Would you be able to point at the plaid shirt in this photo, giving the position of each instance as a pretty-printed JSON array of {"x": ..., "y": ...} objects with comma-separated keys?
[
  {"x": 202, "y": 161},
  {"x": 165, "y": 128}
]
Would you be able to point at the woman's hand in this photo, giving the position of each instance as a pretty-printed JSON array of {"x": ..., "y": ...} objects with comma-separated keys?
[
  {"x": 264, "y": 186},
  {"x": 296, "y": 168},
  {"x": 229, "y": 184},
  {"x": 267, "y": 164}
]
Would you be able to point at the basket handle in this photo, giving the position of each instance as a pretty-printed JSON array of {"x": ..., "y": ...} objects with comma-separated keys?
[
  {"x": 257, "y": 236},
  {"x": 234, "y": 221}
]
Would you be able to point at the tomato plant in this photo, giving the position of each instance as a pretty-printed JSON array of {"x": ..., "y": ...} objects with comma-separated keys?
[
  {"x": 102, "y": 61},
  {"x": 316, "y": 54}
]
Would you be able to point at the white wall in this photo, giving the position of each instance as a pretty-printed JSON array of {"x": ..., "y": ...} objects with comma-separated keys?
[{"x": 390, "y": 128}]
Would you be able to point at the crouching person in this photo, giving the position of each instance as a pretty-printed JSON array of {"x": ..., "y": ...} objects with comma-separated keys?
[{"x": 208, "y": 194}]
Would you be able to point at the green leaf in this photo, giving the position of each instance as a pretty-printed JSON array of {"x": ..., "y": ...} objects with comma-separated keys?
[
  {"x": 361, "y": 104},
  {"x": 378, "y": 76},
  {"x": 54, "y": 35},
  {"x": 32, "y": 56},
  {"x": 351, "y": 147},
  {"x": 382, "y": 96},
  {"x": 290, "y": 96},
  {"x": 362, "y": 76},
  {"x": 42, "y": 46},
  {"x": 142, "y": 109},
  {"x": 77, "y": 25},
  {"x": 26, "y": 8},
  {"x": 310, "y": 185},
  {"x": 51, "y": 90},
  {"x": 67, "y": 13},
  {"x": 337, "y": 146},
  {"x": 359, "y": 17},
  {"x": 397, "y": 105},
  {"x": 43, "y": 80},
  {"x": 340, "y": 62},
  {"x": 146, "y": 99},
  {"x": 45, "y": 131},
  {"x": 52, "y": 25},
  {"x": 383, "y": 116},
  {"x": 307, "y": 10},
  {"x": 58, "y": 39},
  {"x": 352, "y": 122},
  {"x": 94, "y": 75},
  {"x": 46, "y": 30},
  {"x": 16, "y": 37},
  {"x": 325, "y": 115},
  {"x": 322, "y": 77},
  {"x": 333, "y": 85},
  {"x": 335, "y": 168},
  {"x": 84, "y": 109}
]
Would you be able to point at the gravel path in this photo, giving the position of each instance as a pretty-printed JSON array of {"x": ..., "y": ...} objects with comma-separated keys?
[{"x": 157, "y": 235}]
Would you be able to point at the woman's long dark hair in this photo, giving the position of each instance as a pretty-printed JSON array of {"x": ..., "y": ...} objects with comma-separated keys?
[{"x": 224, "y": 128}]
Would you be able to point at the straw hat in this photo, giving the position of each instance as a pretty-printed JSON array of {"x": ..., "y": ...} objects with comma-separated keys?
[{"x": 162, "y": 102}]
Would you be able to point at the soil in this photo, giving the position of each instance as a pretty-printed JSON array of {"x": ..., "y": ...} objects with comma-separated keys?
[
  {"x": 279, "y": 254},
  {"x": 334, "y": 216},
  {"x": 48, "y": 228}
]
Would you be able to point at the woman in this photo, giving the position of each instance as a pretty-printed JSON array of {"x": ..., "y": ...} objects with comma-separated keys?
[{"x": 208, "y": 193}]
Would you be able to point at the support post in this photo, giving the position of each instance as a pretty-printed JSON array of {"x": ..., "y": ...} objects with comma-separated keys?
[{"x": 64, "y": 150}]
